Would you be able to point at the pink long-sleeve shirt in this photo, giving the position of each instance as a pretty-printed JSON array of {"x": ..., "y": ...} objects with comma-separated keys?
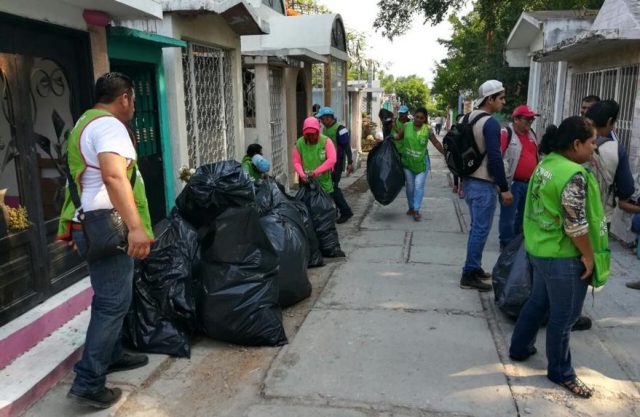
[{"x": 326, "y": 165}]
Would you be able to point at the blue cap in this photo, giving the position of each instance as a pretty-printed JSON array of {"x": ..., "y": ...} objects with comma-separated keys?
[
  {"x": 403, "y": 109},
  {"x": 324, "y": 111},
  {"x": 261, "y": 163}
]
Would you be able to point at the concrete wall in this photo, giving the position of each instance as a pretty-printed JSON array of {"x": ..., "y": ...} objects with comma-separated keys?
[
  {"x": 51, "y": 11},
  {"x": 210, "y": 30}
]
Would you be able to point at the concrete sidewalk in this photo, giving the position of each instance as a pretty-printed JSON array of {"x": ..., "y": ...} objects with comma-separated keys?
[{"x": 388, "y": 332}]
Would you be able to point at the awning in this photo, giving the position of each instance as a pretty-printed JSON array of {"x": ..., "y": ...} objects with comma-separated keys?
[
  {"x": 590, "y": 43},
  {"x": 122, "y": 9},
  {"x": 238, "y": 14},
  {"x": 150, "y": 39},
  {"x": 301, "y": 54}
]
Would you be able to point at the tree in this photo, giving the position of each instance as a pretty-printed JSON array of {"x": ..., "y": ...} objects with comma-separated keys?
[
  {"x": 412, "y": 91},
  {"x": 298, "y": 7}
]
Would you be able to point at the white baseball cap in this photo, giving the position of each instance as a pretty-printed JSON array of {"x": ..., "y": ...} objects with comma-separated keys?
[{"x": 488, "y": 88}]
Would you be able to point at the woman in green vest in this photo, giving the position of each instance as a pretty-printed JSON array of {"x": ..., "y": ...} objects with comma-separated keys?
[
  {"x": 565, "y": 234},
  {"x": 415, "y": 158},
  {"x": 254, "y": 163},
  {"x": 398, "y": 125}
]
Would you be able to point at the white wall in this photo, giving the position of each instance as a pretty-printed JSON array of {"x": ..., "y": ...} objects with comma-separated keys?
[{"x": 52, "y": 11}]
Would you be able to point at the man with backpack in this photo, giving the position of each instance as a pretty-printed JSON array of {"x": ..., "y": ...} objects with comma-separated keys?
[
  {"x": 472, "y": 150},
  {"x": 519, "y": 146}
]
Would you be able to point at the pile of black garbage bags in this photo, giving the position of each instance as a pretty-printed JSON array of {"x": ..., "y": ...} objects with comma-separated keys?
[{"x": 229, "y": 257}]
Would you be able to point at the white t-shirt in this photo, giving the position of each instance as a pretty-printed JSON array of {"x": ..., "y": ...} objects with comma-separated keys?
[{"x": 105, "y": 134}]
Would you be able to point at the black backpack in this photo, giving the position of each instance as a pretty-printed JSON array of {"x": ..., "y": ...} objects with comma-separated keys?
[{"x": 461, "y": 151}]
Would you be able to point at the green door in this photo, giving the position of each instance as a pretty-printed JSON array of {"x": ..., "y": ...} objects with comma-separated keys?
[{"x": 146, "y": 128}]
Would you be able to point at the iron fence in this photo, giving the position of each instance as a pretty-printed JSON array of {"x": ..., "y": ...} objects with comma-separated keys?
[{"x": 278, "y": 155}]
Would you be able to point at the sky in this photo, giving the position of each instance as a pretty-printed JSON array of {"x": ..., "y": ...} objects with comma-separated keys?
[{"x": 416, "y": 52}]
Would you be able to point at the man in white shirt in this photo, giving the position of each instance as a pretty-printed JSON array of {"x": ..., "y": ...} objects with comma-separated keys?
[{"x": 102, "y": 163}]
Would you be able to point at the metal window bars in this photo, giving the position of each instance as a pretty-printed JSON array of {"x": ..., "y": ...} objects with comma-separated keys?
[
  {"x": 278, "y": 156},
  {"x": 546, "y": 100},
  {"x": 209, "y": 104},
  {"x": 249, "y": 96}
]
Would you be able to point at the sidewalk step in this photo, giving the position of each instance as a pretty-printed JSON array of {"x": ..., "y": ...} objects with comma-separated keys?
[
  {"x": 26, "y": 331},
  {"x": 32, "y": 374}
]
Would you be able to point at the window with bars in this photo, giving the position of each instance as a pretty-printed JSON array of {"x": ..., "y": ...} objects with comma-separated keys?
[
  {"x": 619, "y": 84},
  {"x": 338, "y": 70},
  {"x": 546, "y": 99},
  {"x": 249, "y": 96},
  {"x": 278, "y": 145},
  {"x": 209, "y": 104}
]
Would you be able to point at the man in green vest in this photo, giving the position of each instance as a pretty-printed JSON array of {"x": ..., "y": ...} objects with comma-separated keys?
[
  {"x": 341, "y": 139},
  {"x": 101, "y": 158}
]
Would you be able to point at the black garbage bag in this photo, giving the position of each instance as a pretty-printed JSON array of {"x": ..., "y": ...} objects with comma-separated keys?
[
  {"x": 163, "y": 311},
  {"x": 384, "y": 172},
  {"x": 284, "y": 227},
  {"x": 323, "y": 216},
  {"x": 237, "y": 295},
  {"x": 315, "y": 255},
  {"x": 512, "y": 278},
  {"x": 212, "y": 189}
]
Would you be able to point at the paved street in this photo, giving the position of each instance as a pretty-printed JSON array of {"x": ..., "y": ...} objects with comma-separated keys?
[{"x": 388, "y": 332}]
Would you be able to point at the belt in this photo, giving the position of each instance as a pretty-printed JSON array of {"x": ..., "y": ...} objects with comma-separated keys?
[{"x": 76, "y": 226}]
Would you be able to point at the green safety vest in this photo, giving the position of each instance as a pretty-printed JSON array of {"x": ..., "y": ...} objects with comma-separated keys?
[
  {"x": 247, "y": 165},
  {"x": 414, "y": 152},
  {"x": 312, "y": 157},
  {"x": 395, "y": 129},
  {"x": 77, "y": 166},
  {"x": 332, "y": 133},
  {"x": 543, "y": 220}
]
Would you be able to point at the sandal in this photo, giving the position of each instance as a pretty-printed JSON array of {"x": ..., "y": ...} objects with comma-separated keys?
[{"x": 577, "y": 388}]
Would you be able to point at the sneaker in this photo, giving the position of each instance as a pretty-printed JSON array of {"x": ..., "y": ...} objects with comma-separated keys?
[
  {"x": 127, "y": 362},
  {"x": 104, "y": 398},
  {"x": 634, "y": 285},
  {"x": 343, "y": 218},
  {"x": 532, "y": 352},
  {"x": 583, "y": 323},
  {"x": 470, "y": 280}
]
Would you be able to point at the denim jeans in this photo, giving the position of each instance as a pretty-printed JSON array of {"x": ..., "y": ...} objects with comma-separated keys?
[
  {"x": 112, "y": 280},
  {"x": 414, "y": 186},
  {"x": 337, "y": 195},
  {"x": 481, "y": 197},
  {"x": 511, "y": 216},
  {"x": 557, "y": 287}
]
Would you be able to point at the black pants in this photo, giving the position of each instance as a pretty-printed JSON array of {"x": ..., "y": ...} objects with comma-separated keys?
[
  {"x": 438, "y": 127},
  {"x": 337, "y": 195}
]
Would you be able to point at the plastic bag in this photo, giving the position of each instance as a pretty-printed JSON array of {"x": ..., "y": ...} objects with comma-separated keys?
[
  {"x": 212, "y": 189},
  {"x": 512, "y": 278},
  {"x": 384, "y": 172},
  {"x": 323, "y": 216},
  {"x": 237, "y": 296},
  {"x": 163, "y": 312},
  {"x": 315, "y": 255}
]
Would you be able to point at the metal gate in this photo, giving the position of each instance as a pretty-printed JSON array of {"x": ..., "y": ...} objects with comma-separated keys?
[
  {"x": 278, "y": 156},
  {"x": 208, "y": 88},
  {"x": 546, "y": 100}
]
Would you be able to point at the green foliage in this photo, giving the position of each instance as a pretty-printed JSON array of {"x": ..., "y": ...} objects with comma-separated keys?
[
  {"x": 307, "y": 7},
  {"x": 412, "y": 91}
]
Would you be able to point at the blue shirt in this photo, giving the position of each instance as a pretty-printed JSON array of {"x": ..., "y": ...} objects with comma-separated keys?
[{"x": 495, "y": 166}]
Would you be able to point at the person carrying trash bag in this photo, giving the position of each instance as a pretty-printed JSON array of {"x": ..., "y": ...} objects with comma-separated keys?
[
  {"x": 385, "y": 174},
  {"x": 313, "y": 159},
  {"x": 254, "y": 163}
]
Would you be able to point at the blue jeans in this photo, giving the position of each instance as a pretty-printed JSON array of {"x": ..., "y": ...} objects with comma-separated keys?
[
  {"x": 481, "y": 197},
  {"x": 557, "y": 287},
  {"x": 112, "y": 280},
  {"x": 511, "y": 216},
  {"x": 414, "y": 187}
]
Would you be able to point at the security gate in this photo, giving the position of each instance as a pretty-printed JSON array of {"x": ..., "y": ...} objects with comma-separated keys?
[
  {"x": 209, "y": 106},
  {"x": 278, "y": 156}
]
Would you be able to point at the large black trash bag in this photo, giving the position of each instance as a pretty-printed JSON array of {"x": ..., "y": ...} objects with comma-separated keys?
[
  {"x": 384, "y": 172},
  {"x": 284, "y": 227},
  {"x": 237, "y": 295},
  {"x": 212, "y": 189},
  {"x": 315, "y": 255},
  {"x": 163, "y": 311},
  {"x": 323, "y": 216},
  {"x": 512, "y": 279}
]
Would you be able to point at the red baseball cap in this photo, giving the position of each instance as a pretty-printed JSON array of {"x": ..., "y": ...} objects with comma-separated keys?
[{"x": 523, "y": 110}]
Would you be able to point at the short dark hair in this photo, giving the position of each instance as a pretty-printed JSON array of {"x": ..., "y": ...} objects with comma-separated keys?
[
  {"x": 421, "y": 110},
  {"x": 111, "y": 86},
  {"x": 602, "y": 111},
  {"x": 561, "y": 138},
  {"x": 254, "y": 149},
  {"x": 591, "y": 99},
  {"x": 493, "y": 96}
]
